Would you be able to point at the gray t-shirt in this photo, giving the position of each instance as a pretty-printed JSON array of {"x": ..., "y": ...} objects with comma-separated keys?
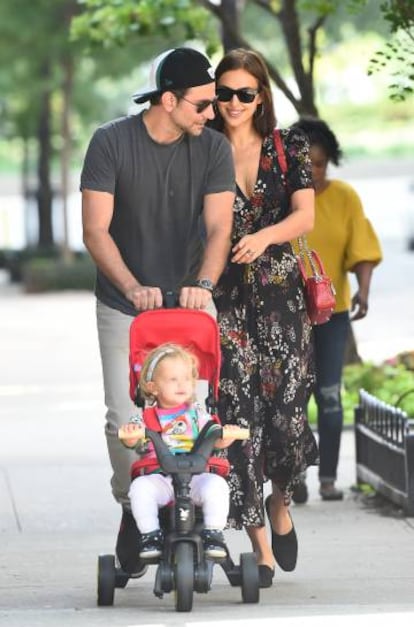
[{"x": 158, "y": 194}]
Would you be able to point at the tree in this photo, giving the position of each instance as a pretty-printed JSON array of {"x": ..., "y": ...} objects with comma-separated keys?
[
  {"x": 35, "y": 44},
  {"x": 299, "y": 23},
  {"x": 47, "y": 78},
  {"x": 44, "y": 85}
]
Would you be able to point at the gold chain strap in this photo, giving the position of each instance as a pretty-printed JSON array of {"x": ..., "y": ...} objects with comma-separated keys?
[{"x": 305, "y": 253}]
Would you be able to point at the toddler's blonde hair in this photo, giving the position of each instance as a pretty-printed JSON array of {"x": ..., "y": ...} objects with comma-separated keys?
[{"x": 156, "y": 356}]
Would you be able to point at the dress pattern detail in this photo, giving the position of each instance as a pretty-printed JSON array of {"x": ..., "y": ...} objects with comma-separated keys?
[{"x": 267, "y": 371}]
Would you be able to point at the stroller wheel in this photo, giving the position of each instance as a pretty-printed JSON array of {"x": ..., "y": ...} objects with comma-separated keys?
[
  {"x": 249, "y": 578},
  {"x": 106, "y": 580},
  {"x": 184, "y": 576}
]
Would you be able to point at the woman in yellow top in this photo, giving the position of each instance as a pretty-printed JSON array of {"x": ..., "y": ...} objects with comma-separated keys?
[{"x": 346, "y": 242}]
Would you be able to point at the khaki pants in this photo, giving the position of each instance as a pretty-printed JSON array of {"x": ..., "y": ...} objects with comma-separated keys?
[{"x": 113, "y": 335}]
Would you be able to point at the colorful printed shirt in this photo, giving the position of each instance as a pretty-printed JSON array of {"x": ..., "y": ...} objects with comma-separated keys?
[{"x": 180, "y": 427}]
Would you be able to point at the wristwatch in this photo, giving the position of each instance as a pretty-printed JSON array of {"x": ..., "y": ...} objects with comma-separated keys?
[{"x": 205, "y": 284}]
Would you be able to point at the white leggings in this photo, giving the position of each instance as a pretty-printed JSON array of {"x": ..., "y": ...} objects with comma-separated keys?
[{"x": 150, "y": 492}]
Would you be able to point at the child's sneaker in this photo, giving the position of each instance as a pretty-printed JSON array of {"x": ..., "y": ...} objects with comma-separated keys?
[
  {"x": 213, "y": 542},
  {"x": 151, "y": 544}
]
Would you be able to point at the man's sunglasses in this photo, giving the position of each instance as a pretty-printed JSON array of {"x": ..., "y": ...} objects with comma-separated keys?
[
  {"x": 245, "y": 94},
  {"x": 201, "y": 105}
]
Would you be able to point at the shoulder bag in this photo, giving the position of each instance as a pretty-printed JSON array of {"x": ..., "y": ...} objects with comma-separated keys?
[{"x": 318, "y": 287}]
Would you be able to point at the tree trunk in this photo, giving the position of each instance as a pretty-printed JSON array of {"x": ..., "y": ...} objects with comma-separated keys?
[
  {"x": 228, "y": 13},
  {"x": 44, "y": 190},
  {"x": 65, "y": 153},
  {"x": 289, "y": 22},
  {"x": 231, "y": 10}
]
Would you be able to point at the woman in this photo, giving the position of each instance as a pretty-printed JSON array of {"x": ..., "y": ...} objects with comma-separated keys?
[
  {"x": 346, "y": 242},
  {"x": 266, "y": 376}
]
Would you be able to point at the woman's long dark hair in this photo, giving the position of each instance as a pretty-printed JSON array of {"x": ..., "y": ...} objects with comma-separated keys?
[{"x": 264, "y": 119}]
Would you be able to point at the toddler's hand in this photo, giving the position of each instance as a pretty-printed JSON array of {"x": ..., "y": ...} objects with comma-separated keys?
[
  {"x": 234, "y": 432},
  {"x": 131, "y": 433}
]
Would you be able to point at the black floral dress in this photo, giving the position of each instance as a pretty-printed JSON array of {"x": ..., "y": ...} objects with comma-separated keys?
[{"x": 267, "y": 369}]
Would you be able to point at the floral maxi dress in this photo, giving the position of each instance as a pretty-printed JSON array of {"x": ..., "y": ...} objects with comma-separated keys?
[{"x": 267, "y": 368}]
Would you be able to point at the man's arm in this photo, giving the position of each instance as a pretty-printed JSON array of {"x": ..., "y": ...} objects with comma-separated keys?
[
  {"x": 97, "y": 211},
  {"x": 218, "y": 220}
]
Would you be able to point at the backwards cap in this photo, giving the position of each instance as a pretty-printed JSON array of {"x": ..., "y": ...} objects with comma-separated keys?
[{"x": 178, "y": 68}]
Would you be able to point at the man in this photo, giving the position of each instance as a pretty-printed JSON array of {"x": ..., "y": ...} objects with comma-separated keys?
[{"x": 157, "y": 197}]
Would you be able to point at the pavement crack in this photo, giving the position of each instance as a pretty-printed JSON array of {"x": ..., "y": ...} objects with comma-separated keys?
[{"x": 9, "y": 489}]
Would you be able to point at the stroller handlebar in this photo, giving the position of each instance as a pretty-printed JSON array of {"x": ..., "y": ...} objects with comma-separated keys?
[
  {"x": 170, "y": 300},
  {"x": 196, "y": 461},
  {"x": 193, "y": 462},
  {"x": 139, "y": 433}
]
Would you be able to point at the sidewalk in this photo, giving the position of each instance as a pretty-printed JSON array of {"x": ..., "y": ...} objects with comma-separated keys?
[{"x": 356, "y": 558}]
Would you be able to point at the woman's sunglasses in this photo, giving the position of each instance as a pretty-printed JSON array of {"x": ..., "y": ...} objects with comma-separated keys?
[{"x": 245, "y": 94}]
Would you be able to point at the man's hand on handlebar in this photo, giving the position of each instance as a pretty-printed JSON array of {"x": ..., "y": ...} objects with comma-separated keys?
[
  {"x": 194, "y": 297},
  {"x": 144, "y": 297}
]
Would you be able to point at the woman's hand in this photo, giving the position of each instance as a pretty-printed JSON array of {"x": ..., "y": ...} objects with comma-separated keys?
[
  {"x": 250, "y": 247},
  {"x": 359, "y": 306}
]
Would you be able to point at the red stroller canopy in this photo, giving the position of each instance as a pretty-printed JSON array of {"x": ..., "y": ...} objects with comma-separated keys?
[{"x": 195, "y": 330}]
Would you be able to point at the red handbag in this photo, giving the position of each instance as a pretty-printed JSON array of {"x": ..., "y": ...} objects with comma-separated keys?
[
  {"x": 318, "y": 287},
  {"x": 319, "y": 290}
]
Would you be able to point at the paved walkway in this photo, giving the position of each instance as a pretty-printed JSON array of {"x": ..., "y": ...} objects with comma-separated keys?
[{"x": 356, "y": 558}]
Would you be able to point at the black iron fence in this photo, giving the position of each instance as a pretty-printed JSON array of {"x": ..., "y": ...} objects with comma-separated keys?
[{"x": 384, "y": 438}]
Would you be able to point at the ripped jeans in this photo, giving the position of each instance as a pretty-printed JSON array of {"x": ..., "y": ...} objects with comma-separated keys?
[{"x": 330, "y": 342}]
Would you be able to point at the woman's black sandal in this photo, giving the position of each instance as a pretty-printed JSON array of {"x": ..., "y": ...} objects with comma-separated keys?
[{"x": 285, "y": 546}]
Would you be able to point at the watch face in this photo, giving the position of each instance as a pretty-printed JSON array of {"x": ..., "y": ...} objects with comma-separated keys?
[{"x": 206, "y": 284}]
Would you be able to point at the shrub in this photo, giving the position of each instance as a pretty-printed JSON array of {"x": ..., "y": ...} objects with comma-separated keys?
[
  {"x": 15, "y": 260},
  {"x": 42, "y": 274},
  {"x": 392, "y": 383}
]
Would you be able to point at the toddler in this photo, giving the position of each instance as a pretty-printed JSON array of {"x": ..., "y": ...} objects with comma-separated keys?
[{"x": 168, "y": 381}]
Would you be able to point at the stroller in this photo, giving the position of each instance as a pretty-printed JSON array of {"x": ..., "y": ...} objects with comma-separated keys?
[{"x": 182, "y": 566}]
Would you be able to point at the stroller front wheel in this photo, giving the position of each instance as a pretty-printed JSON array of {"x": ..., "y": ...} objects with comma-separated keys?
[
  {"x": 184, "y": 576},
  {"x": 249, "y": 578}
]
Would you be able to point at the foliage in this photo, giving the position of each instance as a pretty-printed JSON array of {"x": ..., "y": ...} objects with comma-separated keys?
[
  {"x": 389, "y": 382},
  {"x": 397, "y": 55},
  {"x": 110, "y": 22},
  {"x": 46, "y": 275},
  {"x": 298, "y": 24},
  {"x": 14, "y": 261},
  {"x": 35, "y": 50}
]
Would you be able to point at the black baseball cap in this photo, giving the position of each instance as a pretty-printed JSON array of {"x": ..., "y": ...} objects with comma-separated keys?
[{"x": 178, "y": 68}]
